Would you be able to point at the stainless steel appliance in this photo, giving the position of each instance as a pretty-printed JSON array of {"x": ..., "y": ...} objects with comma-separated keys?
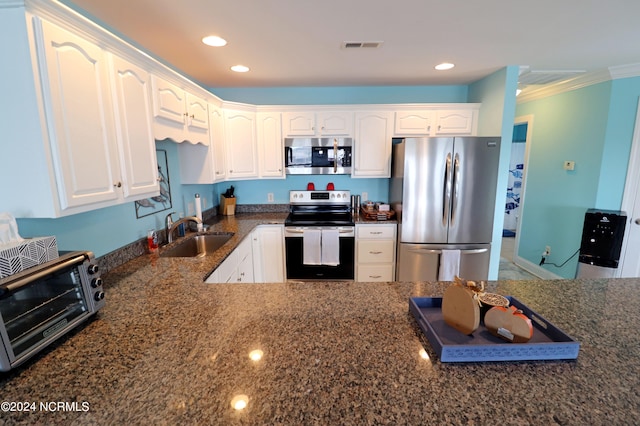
[
  {"x": 329, "y": 214},
  {"x": 40, "y": 304},
  {"x": 444, "y": 191},
  {"x": 317, "y": 156}
]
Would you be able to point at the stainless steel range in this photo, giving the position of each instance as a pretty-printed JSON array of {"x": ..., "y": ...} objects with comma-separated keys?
[{"x": 320, "y": 236}]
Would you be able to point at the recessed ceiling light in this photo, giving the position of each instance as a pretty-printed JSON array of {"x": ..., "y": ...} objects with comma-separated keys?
[
  {"x": 444, "y": 66},
  {"x": 239, "y": 68},
  {"x": 214, "y": 41}
]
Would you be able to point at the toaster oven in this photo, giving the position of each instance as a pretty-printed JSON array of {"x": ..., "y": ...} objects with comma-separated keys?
[{"x": 40, "y": 304}]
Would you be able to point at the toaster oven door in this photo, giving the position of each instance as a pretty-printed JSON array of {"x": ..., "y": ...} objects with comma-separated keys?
[{"x": 35, "y": 312}]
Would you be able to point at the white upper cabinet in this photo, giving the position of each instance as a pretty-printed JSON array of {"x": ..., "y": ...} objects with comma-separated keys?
[
  {"x": 456, "y": 122},
  {"x": 270, "y": 145},
  {"x": 82, "y": 131},
  {"x": 84, "y": 128},
  {"x": 137, "y": 148},
  {"x": 240, "y": 144},
  {"x": 205, "y": 164},
  {"x": 179, "y": 115},
  {"x": 436, "y": 122},
  {"x": 413, "y": 123},
  {"x": 311, "y": 123},
  {"x": 216, "y": 123},
  {"x": 374, "y": 131}
]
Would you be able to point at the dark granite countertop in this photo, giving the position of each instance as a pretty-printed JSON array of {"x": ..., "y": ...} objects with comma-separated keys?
[{"x": 170, "y": 349}]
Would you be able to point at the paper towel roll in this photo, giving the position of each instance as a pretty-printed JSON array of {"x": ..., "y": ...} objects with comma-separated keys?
[{"x": 198, "y": 207}]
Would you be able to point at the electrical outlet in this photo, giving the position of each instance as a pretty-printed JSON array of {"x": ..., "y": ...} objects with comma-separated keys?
[
  {"x": 547, "y": 251},
  {"x": 365, "y": 196},
  {"x": 270, "y": 197}
]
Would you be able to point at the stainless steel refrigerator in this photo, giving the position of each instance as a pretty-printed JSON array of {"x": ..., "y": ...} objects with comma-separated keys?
[{"x": 444, "y": 191}]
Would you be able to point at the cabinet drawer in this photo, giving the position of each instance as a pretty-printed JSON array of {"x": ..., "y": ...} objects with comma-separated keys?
[
  {"x": 374, "y": 251},
  {"x": 375, "y": 273},
  {"x": 377, "y": 231}
]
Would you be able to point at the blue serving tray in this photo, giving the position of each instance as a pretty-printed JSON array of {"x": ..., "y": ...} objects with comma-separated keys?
[{"x": 548, "y": 341}]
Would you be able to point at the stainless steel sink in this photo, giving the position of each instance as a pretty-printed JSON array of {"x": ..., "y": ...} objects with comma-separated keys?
[{"x": 198, "y": 246}]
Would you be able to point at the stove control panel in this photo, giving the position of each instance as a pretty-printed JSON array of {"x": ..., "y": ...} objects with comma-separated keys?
[{"x": 320, "y": 197}]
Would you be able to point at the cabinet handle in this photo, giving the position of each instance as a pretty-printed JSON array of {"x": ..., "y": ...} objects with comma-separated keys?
[
  {"x": 375, "y": 276},
  {"x": 375, "y": 232},
  {"x": 375, "y": 252},
  {"x": 637, "y": 221},
  {"x": 193, "y": 116},
  {"x": 186, "y": 114},
  {"x": 117, "y": 185}
]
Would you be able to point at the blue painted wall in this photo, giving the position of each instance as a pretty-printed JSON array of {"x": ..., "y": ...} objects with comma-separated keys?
[{"x": 569, "y": 126}]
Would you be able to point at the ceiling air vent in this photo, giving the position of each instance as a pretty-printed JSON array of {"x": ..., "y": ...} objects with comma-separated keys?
[
  {"x": 546, "y": 77},
  {"x": 361, "y": 44}
]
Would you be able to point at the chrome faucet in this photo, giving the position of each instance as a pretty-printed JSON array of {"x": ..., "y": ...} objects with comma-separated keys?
[{"x": 172, "y": 227}]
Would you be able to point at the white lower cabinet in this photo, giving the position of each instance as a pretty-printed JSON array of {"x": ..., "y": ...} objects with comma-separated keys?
[
  {"x": 375, "y": 252},
  {"x": 259, "y": 258},
  {"x": 268, "y": 254}
]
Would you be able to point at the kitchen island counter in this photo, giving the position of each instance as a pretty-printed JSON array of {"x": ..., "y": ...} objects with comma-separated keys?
[{"x": 170, "y": 349}]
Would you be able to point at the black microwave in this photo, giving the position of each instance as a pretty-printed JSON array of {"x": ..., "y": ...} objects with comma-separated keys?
[{"x": 318, "y": 156}]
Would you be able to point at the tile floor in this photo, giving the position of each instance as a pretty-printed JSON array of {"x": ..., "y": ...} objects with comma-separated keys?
[{"x": 507, "y": 269}]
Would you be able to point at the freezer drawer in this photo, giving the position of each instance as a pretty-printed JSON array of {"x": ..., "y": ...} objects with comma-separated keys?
[{"x": 421, "y": 262}]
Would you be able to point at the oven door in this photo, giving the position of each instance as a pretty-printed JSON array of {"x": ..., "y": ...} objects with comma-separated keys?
[
  {"x": 298, "y": 270},
  {"x": 36, "y": 310}
]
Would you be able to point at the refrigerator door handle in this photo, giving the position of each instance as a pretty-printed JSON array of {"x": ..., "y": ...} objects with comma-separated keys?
[
  {"x": 456, "y": 179},
  {"x": 438, "y": 251},
  {"x": 446, "y": 191}
]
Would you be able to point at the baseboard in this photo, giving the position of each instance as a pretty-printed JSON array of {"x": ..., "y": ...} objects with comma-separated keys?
[{"x": 534, "y": 269}]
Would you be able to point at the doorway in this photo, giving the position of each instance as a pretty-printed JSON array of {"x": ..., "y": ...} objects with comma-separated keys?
[{"x": 514, "y": 200}]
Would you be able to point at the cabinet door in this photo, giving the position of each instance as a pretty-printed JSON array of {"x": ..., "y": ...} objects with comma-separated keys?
[
  {"x": 299, "y": 124},
  {"x": 216, "y": 135},
  {"x": 138, "y": 161},
  {"x": 270, "y": 144},
  {"x": 338, "y": 123},
  {"x": 168, "y": 101},
  {"x": 80, "y": 110},
  {"x": 413, "y": 123},
  {"x": 455, "y": 122},
  {"x": 271, "y": 250},
  {"x": 374, "y": 131},
  {"x": 240, "y": 141},
  {"x": 197, "y": 115},
  {"x": 245, "y": 260}
]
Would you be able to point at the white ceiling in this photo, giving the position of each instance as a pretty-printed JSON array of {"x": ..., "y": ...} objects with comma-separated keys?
[{"x": 298, "y": 42}]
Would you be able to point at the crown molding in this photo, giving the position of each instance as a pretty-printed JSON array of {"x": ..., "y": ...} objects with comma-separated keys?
[
  {"x": 624, "y": 71},
  {"x": 588, "y": 79}
]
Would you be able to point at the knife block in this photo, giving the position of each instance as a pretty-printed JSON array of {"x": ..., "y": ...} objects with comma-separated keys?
[{"x": 227, "y": 206}]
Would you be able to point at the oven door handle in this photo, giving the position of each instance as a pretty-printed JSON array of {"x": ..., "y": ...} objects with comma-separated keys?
[
  {"x": 301, "y": 231},
  {"x": 8, "y": 289}
]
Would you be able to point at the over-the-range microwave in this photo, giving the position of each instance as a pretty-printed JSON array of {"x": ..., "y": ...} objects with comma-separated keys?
[{"x": 318, "y": 156}]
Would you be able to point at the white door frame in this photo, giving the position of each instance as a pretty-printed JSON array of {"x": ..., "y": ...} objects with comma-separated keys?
[
  {"x": 630, "y": 267},
  {"x": 528, "y": 120}
]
